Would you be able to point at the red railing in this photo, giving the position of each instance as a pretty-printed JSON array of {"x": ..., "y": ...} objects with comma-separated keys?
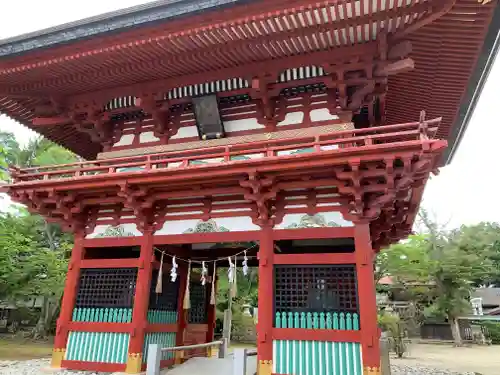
[{"x": 230, "y": 153}]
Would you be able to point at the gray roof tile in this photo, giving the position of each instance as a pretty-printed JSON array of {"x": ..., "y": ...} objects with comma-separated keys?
[{"x": 131, "y": 17}]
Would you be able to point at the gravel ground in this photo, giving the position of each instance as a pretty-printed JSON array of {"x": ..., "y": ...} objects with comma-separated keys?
[
  {"x": 421, "y": 370},
  {"x": 40, "y": 366},
  {"x": 35, "y": 367}
]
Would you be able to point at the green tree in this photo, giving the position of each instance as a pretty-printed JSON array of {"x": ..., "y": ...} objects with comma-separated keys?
[
  {"x": 444, "y": 266},
  {"x": 247, "y": 288},
  {"x": 3, "y": 163},
  {"x": 483, "y": 239},
  {"x": 37, "y": 265},
  {"x": 33, "y": 263},
  {"x": 10, "y": 147},
  {"x": 38, "y": 152}
]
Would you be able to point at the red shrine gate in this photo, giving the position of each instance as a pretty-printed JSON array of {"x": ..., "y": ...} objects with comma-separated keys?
[{"x": 246, "y": 122}]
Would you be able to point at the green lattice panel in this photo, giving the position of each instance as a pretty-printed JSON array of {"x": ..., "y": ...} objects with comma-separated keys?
[
  {"x": 341, "y": 321},
  {"x": 102, "y": 315},
  {"x": 162, "y": 317},
  {"x": 164, "y": 339},
  {"x": 316, "y": 358},
  {"x": 97, "y": 347}
]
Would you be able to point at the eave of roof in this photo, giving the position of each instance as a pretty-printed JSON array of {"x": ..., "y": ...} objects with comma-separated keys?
[
  {"x": 459, "y": 120},
  {"x": 116, "y": 21},
  {"x": 476, "y": 83}
]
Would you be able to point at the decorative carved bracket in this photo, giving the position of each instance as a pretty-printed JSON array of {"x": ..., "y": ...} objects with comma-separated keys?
[
  {"x": 92, "y": 120},
  {"x": 261, "y": 191},
  {"x": 159, "y": 111},
  {"x": 366, "y": 202},
  {"x": 359, "y": 83},
  {"x": 268, "y": 96},
  {"x": 68, "y": 213},
  {"x": 134, "y": 198}
]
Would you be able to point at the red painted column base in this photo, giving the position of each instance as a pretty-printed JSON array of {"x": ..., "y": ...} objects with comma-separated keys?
[
  {"x": 68, "y": 302},
  {"x": 266, "y": 298},
  {"x": 367, "y": 300}
]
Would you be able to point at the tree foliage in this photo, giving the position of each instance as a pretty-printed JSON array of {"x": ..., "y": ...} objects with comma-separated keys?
[
  {"x": 32, "y": 251},
  {"x": 3, "y": 163},
  {"x": 439, "y": 268},
  {"x": 38, "y": 151},
  {"x": 31, "y": 262},
  {"x": 246, "y": 289}
]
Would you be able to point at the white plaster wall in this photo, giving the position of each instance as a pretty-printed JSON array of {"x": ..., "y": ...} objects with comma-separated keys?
[
  {"x": 322, "y": 114},
  {"x": 128, "y": 228},
  {"x": 147, "y": 137},
  {"x": 329, "y": 147},
  {"x": 243, "y": 124},
  {"x": 289, "y": 152},
  {"x": 186, "y": 132},
  {"x": 329, "y": 216},
  {"x": 258, "y": 155},
  {"x": 125, "y": 140},
  {"x": 292, "y": 118},
  {"x": 232, "y": 223}
]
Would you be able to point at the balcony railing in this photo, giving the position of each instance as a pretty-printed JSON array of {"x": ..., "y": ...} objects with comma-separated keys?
[{"x": 413, "y": 131}]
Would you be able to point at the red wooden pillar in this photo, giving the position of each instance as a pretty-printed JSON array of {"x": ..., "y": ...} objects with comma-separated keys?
[
  {"x": 266, "y": 298},
  {"x": 141, "y": 304},
  {"x": 68, "y": 301},
  {"x": 367, "y": 299}
]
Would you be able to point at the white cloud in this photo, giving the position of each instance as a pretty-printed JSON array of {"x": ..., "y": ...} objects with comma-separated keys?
[{"x": 465, "y": 192}]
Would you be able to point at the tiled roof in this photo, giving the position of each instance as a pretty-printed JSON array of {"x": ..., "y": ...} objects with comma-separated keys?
[{"x": 108, "y": 22}]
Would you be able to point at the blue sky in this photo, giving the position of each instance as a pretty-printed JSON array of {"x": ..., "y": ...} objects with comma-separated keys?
[{"x": 465, "y": 192}]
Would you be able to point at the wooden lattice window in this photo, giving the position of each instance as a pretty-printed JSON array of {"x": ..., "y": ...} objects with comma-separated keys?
[
  {"x": 107, "y": 287},
  {"x": 315, "y": 289},
  {"x": 198, "y": 310},
  {"x": 168, "y": 298}
]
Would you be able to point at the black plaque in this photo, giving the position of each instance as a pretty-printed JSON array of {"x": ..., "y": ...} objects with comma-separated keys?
[{"x": 208, "y": 119}]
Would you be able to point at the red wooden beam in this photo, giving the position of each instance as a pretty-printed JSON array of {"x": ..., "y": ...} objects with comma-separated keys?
[
  {"x": 271, "y": 164},
  {"x": 435, "y": 11},
  {"x": 246, "y": 236},
  {"x": 308, "y": 233},
  {"x": 334, "y": 258},
  {"x": 161, "y": 328},
  {"x": 141, "y": 298},
  {"x": 301, "y": 334},
  {"x": 265, "y": 296},
  {"x": 367, "y": 49},
  {"x": 112, "y": 242},
  {"x": 396, "y": 67},
  {"x": 190, "y": 238},
  {"x": 255, "y": 9},
  {"x": 100, "y": 327},
  {"x": 110, "y": 263},
  {"x": 69, "y": 295},
  {"x": 367, "y": 303},
  {"x": 349, "y": 136},
  {"x": 50, "y": 121}
]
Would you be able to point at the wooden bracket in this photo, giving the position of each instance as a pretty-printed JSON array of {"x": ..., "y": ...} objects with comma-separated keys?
[
  {"x": 159, "y": 111},
  {"x": 268, "y": 103},
  {"x": 261, "y": 191}
]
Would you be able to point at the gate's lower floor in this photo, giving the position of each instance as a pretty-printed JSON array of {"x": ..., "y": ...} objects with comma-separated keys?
[{"x": 316, "y": 299}]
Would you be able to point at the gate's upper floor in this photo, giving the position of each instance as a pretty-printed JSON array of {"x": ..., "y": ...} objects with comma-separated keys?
[{"x": 126, "y": 80}]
